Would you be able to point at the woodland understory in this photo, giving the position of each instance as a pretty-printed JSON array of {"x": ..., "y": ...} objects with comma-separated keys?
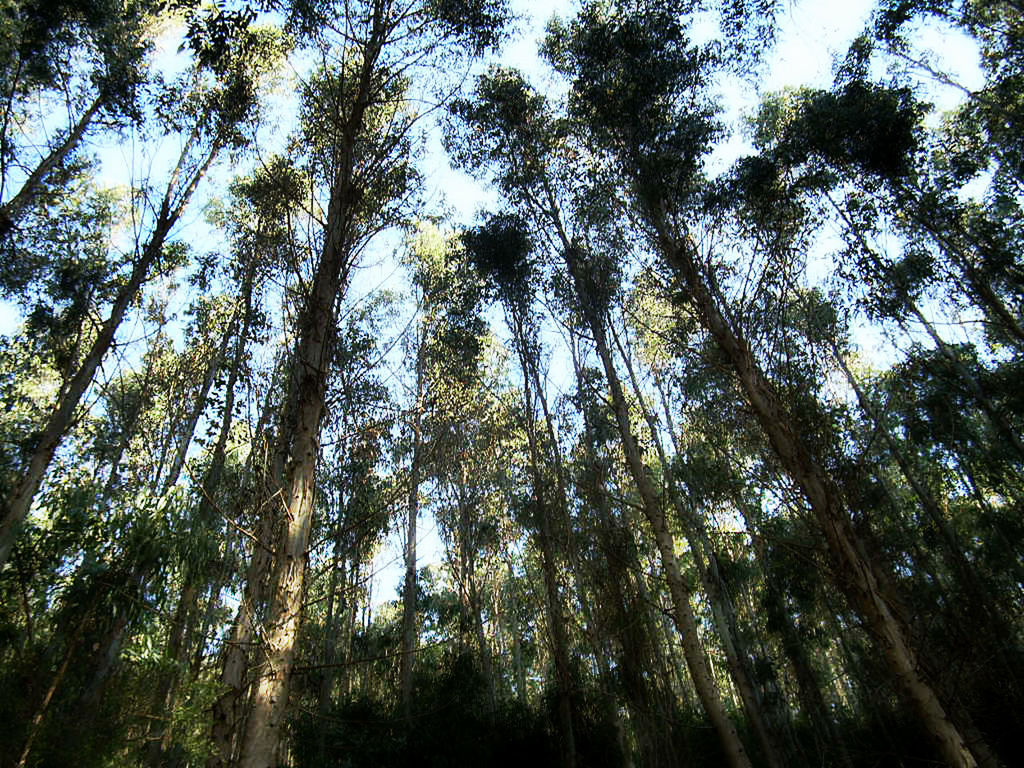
[{"x": 695, "y": 455}]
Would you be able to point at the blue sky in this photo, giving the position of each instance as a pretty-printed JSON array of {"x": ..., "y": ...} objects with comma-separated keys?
[{"x": 812, "y": 34}]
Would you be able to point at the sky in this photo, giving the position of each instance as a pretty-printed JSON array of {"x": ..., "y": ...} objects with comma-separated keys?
[{"x": 812, "y": 35}]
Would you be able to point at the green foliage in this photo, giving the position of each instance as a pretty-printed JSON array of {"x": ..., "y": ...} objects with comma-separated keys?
[
  {"x": 639, "y": 85},
  {"x": 480, "y": 24},
  {"x": 500, "y": 249},
  {"x": 43, "y": 37},
  {"x": 127, "y": 581},
  {"x": 862, "y": 127},
  {"x": 509, "y": 129}
]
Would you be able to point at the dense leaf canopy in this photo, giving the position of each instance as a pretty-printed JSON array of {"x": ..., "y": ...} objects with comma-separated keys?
[{"x": 698, "y": 440}]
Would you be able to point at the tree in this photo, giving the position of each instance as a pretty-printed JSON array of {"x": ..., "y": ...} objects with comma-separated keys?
[
  {"x": 660, "y": 157},
  {"x": 45, "y": 45},
  {"x": 214, "y": 117},
  {"x": 511, "y": 127},
  {"x": 356, "y": 122}
]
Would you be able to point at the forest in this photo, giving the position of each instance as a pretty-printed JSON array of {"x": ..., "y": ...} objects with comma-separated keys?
[{"x": 696, "y": 443}]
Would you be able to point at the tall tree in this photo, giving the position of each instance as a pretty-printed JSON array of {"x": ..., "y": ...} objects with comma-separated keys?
[
  {"x": 660, "y": 155},
  {"x": 210, "y": 124},
  {"x": 511, "y": 128},
  {"x": 356, "y": 121}
]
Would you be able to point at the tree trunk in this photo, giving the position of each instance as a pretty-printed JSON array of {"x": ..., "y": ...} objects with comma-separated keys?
[
  {"x": 199, "y": 405},
  {"x": 995, "y": 418},
  {"x": 226, "y": 710},
  {"x": 184, "y": 617},
  {"x": 630, "y": 618},
  {"x": 717, "y": 596},
  {"x": 262, "y": 735},
  {"x": 696, "y": 656},
  {"x": 981, "y": 293},
  {"x": 159, "y": 734},
  {"x": 326, "y": 692},
  {"x": 812, "y": 701},
  {"x": 552, "y": 594},
  {"x": 409, "y": 634},
  {"x": 980, "y": 598},
  {"x": 301, "y": 442},
  {"x": 58, "y": 678},
  {"x": 861, "y": 579},
  {"x": 12, "y": 210},
  {"x": 19, "y": 501}
]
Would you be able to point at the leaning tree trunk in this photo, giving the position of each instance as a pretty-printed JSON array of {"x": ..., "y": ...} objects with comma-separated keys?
[
  {"x": 859, "y": 577},
  {"x": 544, "y": 537},
  {"x": 630, "y": 618},
  {"x": 981, "y": 601},
  {"x": 697, "y": 660},
  {"x": 199, "y": 403},
  {"x": 59, "y": 422},
  {"x": 12, "y": 210},
  {"x": 184, "y": 615},
  {"x": 1002, "y": 428},
  {"x": 981, "y": 291},
  {"x": 714, "y": 589},
  {"x": 694, "y": 652}
]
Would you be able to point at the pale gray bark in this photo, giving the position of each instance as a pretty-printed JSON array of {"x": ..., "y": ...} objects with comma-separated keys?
[
  {"x": 58, "y": 424},
  {"x": 860, "y": 578}
]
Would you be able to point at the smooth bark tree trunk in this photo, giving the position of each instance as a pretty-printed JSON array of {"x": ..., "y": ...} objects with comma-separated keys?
[
  {"x": 59, "y": 422},
  {"x": 12, "y": 210},
  {"x": 311, "y": 366},
  {"x": 697, "y": 660},
  {"x": 994, "y": 416},
  {"x": 185, "y": 614},
  {"x": 714, "y": 589},
  {"x": 204, "y": 626},
  {"x": 518, "y": 667},
  {"x": 226, "y": 711},
  {"x": 810, "y": 696},
  {"x": 552, "y": 593},
  {"x": 409, "y": 633},
  {"x": 199, "y": 403},
  {"x": 128, "y": 432},
  {"x": 158, "y": 737},
  {"x": 981, "y": 291},
  {"x": 861, "y": 579},
  {"x": 980, "y": 598},
  {"x": 629, "y": 617}
]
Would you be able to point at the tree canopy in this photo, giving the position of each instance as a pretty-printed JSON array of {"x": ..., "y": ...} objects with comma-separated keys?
[{"x": 697, "y": 443}]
